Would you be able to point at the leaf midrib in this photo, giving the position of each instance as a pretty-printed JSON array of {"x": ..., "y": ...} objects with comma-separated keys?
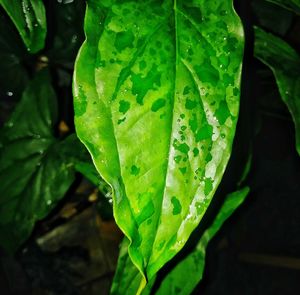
[{"x": 172, "y": 125}]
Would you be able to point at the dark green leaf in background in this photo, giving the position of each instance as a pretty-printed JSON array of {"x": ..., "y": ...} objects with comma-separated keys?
[
  {"x": 265, "y": 12},
  {"x": 156, "y": 89},
  {"x": 36, "y": 169},
  {"x": 185, "y": 276},
  {"x": 293, "y": 5},
  {"x": 284, "y": 61},
  {"x": 66, "y": 30},
  {"x": 29, "y": 17},
  {"x": 13, "y": 72}
]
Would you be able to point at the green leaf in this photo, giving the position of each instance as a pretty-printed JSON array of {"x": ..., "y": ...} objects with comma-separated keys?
[
  {"x": 293, "y": 5},
  {"x": 127, "y": 279},
  {"x": 36, "y": 169},
  {"x": 186, "y": 275},
  {"x": 284, "y": 61},
  {"x": 29, "y": 17},
  {"x": 88, "y": 170},
  {"x": 156, "y": 94},
  {"x": 265, "y": 11}
]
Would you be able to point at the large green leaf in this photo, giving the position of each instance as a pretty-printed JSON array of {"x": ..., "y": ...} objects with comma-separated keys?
[
  {"x": 156, "y": 94},
  {"x": 29, "y": 17},
  {"x": 35, "y": 168},
  {"x": 293, "y": 5},
  {"x": 284, "y": 61}
]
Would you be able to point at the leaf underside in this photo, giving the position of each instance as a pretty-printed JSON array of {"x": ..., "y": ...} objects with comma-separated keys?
[
  {"x": 156, "y": 94},
  {"x": 284, "y": 62},
  {"x": 29, "y": 17}
]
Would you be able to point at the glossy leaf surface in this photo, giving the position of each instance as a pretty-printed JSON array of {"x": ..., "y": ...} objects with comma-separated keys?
[
  {"x": 284, "y": 61},
  {"x": 29, "y": 17},
  {"x": 156, "y": 93},
  {"x": 293, "y": 5},
  {"x": 35, "y": 168}
]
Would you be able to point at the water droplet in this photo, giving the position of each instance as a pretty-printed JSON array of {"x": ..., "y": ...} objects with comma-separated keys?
[
  {"x": 223, "y": 12},
  {"x": 9, "y": 93},
  {"x": 49, "y": 202}
]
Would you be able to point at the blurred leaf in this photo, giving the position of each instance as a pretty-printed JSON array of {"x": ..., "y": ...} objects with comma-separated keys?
[
  {"x": 293, "y": 5},
  {"x": 265, "y": 13},
  {"x": 67, "y": 31},
  {"x": 13, "y": 73},
  {"x": 284, "y": 61},
  {"x": 36, "y": 169},
  {"x": 29, "y": 17},
  {"x": 156, "y": 103}
]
